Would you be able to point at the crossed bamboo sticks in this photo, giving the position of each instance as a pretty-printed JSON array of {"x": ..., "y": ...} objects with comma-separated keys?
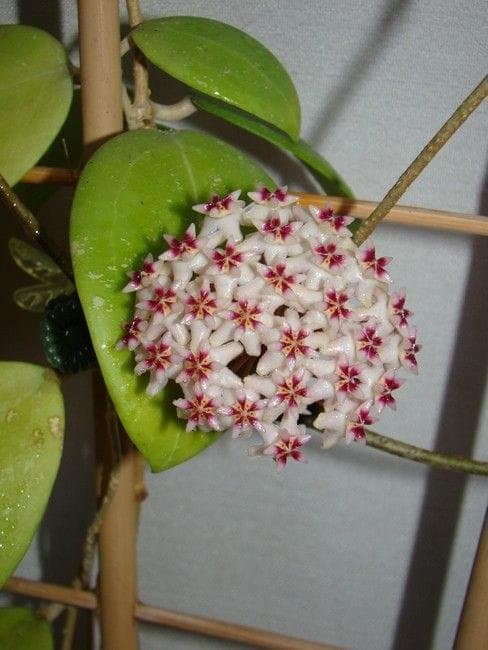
[{"x": 146, "y": 613}]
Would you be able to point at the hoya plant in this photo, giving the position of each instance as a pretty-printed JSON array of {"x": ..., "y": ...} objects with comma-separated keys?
[{"x": 211, "y": 300}]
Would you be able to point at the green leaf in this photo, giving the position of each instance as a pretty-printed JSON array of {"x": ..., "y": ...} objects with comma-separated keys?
[
  {"x": 329, "y": 179},
  {"x": 31, "y": 441},
  {"x": 36, "y": 296},
  {"x": 23, "y": 629},
  {"x": 35, "y": 96},
  {"x": 34, "y": 262},
  {"x": 33, "y": 194},
  {"x": 137, "y": 187},
  {"x": 225, "y": 63}
]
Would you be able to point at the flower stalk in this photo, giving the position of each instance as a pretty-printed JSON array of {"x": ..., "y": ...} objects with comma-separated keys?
[
  {"x": 420, "y": 455},
  {"x": 459, "y": 116}
]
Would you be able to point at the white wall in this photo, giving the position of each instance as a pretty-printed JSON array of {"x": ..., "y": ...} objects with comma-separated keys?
[{"x": 357, "y": 548}]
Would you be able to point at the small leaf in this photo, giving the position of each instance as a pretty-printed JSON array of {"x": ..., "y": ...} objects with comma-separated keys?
[
  {"x": 34, "y": 262},
  {"x": 225, "y": 63},
  {"x": 23, "y": 629},
  {"x": 36, "y": 296},
  {"x": 137, "y": 187},
  {"x": 329, "y": 179},
  {"x": 31, "y": 440},
  {"x": 35, "y": 95}
]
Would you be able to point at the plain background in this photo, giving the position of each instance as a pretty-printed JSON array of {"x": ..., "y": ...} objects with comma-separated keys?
[{"x": 356, "y": 548}]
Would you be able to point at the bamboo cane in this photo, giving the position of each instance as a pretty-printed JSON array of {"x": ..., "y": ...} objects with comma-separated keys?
[
  {"x": 470, "y": 224},
  {"x": 472, "y": 632},
  {"x": 254, "y": 637},
  {"x": 101, "y": 104}
]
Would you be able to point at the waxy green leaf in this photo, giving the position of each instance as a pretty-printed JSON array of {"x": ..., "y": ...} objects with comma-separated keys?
[
  {"x": 329, "y": 179},
  {"x": 137, "y": 187},
  {"x": 35, "y": 96},
  {"x": 31, "y": 442},
  {"x": 23, "y": 629},
  {"x": 225, "y": 63}
]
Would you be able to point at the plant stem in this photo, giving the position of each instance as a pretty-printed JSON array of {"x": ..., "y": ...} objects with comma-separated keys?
[
  {"x": 174, "y": 112},
  {"x": 141, "y": 106},
  {"x": 420, "y": 455},
  {"x": 422, "y": 160},
  {"x": 32, "y": 227}
]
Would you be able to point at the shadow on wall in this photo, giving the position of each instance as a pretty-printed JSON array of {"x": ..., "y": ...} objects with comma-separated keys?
[
  {"x": 45, "y": 15},
  {"x": 334, "y": 105},
  {"x": 456, "y": 434}
]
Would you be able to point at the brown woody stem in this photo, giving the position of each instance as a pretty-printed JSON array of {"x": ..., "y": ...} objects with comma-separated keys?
[
  {"x": 32, "y": 227},
  {"x": 142, "y": 112}
]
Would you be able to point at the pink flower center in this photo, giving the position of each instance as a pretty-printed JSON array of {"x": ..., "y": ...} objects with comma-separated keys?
[
  {"x": 348, "y": 380},
  {"x": 221, "y": 204},
  {"x": 162, "y": 301},
  {"x": 202, "y": 305},
  {"x": 245, "y": 413},
  {"x": 201, "y": 410},
  {"x": 370, "y": 262},
  {"x": 188, "y": 244},
  {"x": 246, "y": 315},
  {"x": 198, "y": 366},
  {"x": 277, "y": 278},
  {"x": 400, "y": 311},
  {"x": 357, "y": 426},
  {"x": 337, "y": 222},
  {"x": 225, "y": 260},
  {"x": 293, "y": 343},
  {"x": 132, "y": 331},
  {"x": 291, "y": 391},
  {"x": 335, "y": 304},
  {"x": 369, "y": 342},
  {"x": 388, "y": 385},
  {"x": 158, "y": 356},
  {"x": 287, "y": 447},
  {"x": 280, "y": 231},
  {"x": 279, "y": 194},
  {"x": 329, "y": 256}
]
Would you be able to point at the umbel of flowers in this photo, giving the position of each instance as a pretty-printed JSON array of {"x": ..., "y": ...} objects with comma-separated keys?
[{"x": 260, "y": 329}]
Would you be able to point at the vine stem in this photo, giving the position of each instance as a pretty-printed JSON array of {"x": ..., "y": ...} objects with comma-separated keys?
[
  {"x": 141, "y": 110},
  {"x": 32, "y": 227},
  {"x": 459, "y": 116},
  {"x": 420, "y": 455}
]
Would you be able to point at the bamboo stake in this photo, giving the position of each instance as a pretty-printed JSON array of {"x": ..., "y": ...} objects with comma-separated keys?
[
  {"x": 53, "y": 593},
  {"x": 58, "y": 175},
  {"x": 223, "y": 630},
  {"x": 472, "y": 632},
  {"x": 158, "y": 616},
  {"x": 101, "y": 83},
  {"x": 470, "y": 224}
]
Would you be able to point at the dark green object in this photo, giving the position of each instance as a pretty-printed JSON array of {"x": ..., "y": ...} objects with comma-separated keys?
[{"x": 65, "y": 337}]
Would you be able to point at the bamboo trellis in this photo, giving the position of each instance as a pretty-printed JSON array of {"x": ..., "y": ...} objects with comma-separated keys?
[{"x": 116, "y": 600}]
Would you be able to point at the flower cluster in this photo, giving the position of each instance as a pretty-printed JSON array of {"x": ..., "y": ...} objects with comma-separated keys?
[{"x": 259, "y": 330}]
